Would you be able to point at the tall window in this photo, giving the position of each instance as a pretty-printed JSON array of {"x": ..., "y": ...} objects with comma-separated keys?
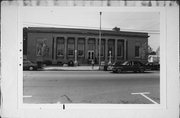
[
  {"x": 81, "y": 47},
  {"x": 137, "y": 51},
  {"x": 91, "y": 44},
  {"x": 60, "y": 46},
  {"x": 120, "y": 48},
  {"x": 102, "y": 47},
  {"x": 71, "y": 46},
  {"x": 111, "y": 47}
]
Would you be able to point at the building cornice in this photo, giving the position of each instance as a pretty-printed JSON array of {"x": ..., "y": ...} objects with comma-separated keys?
[{"x": 87, "y": 32}]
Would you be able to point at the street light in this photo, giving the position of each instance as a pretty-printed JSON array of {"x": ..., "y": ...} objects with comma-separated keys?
[
  {"x": 100, "y": 42},
  {"x": 109, "y": 63},
  {"x": 75, "y": 62}
]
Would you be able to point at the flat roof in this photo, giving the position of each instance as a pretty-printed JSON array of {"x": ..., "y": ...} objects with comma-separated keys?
[{"x": 86, "y": 31}]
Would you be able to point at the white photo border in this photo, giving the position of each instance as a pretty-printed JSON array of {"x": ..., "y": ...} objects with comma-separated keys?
[{"x": 19, "y": 109}]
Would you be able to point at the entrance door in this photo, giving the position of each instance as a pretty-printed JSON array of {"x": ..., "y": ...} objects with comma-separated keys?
[{"x": 91, "y": 55}]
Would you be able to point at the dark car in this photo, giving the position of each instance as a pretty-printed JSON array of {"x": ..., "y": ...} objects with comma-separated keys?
[
  {"x": 28, "y": 65},
  {"x": 70, "y": 63},
  {"x": 117, "y": 63},
  {"x": 135, "y": 66},
  {"x": 153, "y": 66}
]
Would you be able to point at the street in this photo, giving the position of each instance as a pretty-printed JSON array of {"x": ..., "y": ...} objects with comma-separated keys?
[{"x": 91, "y": 87}]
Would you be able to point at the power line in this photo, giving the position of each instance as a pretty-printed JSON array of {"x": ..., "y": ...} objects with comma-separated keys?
[{"x": 87, "y": 27}]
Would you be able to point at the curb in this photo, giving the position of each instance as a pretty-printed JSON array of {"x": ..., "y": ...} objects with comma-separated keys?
[{"x": 68, "y": 70}]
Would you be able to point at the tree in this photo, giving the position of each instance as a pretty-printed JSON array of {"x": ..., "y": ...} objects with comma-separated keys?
[
  {"x": 149, "y": 49},
  {"x": 116, "y": 29},
  {"x": 158, "y": 51},
  {"x": 144, "y": 50}
]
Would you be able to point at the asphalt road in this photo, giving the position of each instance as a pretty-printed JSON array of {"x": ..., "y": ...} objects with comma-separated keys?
[{"x": 91, "y": 87}]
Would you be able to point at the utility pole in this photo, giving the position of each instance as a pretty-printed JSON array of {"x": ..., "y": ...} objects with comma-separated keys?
[{"x": 100, "y": 42}]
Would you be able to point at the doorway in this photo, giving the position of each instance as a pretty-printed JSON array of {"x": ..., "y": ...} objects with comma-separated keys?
[{"x": 90, "y": 55}]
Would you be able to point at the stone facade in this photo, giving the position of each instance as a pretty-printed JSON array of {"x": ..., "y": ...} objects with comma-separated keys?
[{"x": 61, "y": 45}]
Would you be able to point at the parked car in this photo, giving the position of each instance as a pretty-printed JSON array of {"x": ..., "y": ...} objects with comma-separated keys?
[
  {"x": 135, "y": 66},
  {"x": 153, "y": 66},
  {"x": 110, "y": 66},
  {"x": 60, "y": 63},
  {"x": 28, "y": 65},
  {"x": 106, "y": 66},
  {"x": 70, "y": 63},
  {"x": 47, "y": 62},
  {"x": 117, "y": 63}
]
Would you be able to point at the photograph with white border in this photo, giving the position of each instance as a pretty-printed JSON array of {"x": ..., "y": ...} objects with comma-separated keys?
[{"x": 19, "y": 81}]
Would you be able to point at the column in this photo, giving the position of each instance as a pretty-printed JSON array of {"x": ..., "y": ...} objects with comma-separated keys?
[
  {"x": 76, "y": 51},
  {"x": 97, "y": 48},
  {"x": 54, "y": 50},
  {"x": 76, "y": 43},
  {"x": 115, "y": 52},
  {"x": 65, "y": 48},
  {"x": 86, "y": 48},
  {"x": 106, "y": 50},
  {"x": 125, "y": 49}
]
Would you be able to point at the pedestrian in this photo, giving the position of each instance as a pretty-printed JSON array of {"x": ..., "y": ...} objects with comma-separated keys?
[{"x": 92, "y": 63}]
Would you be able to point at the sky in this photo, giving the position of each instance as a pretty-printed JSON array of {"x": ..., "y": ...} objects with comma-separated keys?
[{"x": 90, "y": 19}]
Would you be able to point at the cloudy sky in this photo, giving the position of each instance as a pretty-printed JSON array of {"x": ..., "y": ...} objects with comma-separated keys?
[{"x": 90, "y": 19}]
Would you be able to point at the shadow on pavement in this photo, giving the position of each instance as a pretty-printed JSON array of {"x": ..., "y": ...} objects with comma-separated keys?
[{"x": 147, "y": 72}]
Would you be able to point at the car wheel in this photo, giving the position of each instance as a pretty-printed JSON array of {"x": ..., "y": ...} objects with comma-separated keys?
[
  {"x": 31, "y": 68},
  {"x": 141, "y": 70},
  {"x": 119, "y": 70}
]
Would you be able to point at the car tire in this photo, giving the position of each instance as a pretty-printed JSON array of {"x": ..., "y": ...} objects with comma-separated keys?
[
  {"x": 141, "y": 70},
  {"x": 31, "y": 68},
  {"x": 114, "y": 71},
  {"x": 119, "y": 70}
]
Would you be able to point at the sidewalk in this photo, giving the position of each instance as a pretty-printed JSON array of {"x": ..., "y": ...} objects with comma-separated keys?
[{"x": 75, "y": 68}]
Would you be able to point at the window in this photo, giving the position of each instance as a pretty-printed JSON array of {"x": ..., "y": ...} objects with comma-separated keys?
[
  {"x": 102, "y": 47},
  {"x": 111, "y": 47},
  {"x": 137, "y": 51},
  {"x": 91, "y": 44},
  {"x": 71, "y": 46},
  {"x": 120, "y": 48},
  {"x": 70, "y": 52},
  {"x": 80, "y": 52},
  {"x": 60, "y": 46},
  {"x": 81, "y": 42},
  {"x": 102, "y": 50},
  {"x": 60, "y": 52}
]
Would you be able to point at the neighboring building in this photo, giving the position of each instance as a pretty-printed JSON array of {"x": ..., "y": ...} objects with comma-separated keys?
[
  {"x": 60, "y": 45},
  {"x": 153, "y": 58}
]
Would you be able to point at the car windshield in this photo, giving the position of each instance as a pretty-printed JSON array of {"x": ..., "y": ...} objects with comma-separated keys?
[
  {"x": 117, "y": 63},
  {"x": 27, "y": 62},
  {"x": 125, "y": 63}
]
